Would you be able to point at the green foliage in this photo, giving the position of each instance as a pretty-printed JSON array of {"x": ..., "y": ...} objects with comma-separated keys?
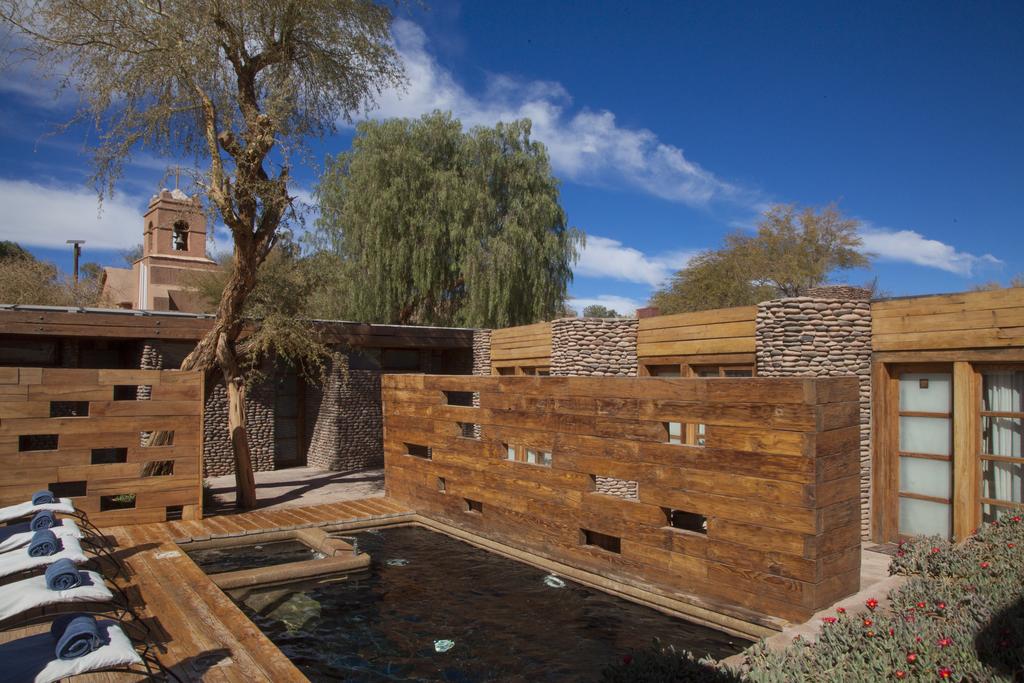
[
  {"x": 792, "y": 251},
  {"x": 26, "y": 280},
  {"x": 433, "y": 225},
  {"x": 959, "y": 617},
  {"x": 277, "y": 310},
  {"x": 661, "y": 663},
  {"x": 599, "y": 311},
  {"x": 12, "y": 250}
]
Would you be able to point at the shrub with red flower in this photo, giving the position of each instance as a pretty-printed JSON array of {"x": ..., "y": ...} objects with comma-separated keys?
[{"x": 871, "y": 604}]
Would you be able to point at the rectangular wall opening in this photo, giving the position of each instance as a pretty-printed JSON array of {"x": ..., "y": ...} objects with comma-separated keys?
[
  {"x": 156, "y": 439},
  {"x": 684, "y": 434},
  {"x": 109, "y": 456},
  {"x": 442, "y": 485},
  {"x": 121, "y": 501},
  {"x": 418, "y": 450},
  {"x": 612, "y": 544},
  {"x": 69, "y": 409},
  {"x": 158, "y": 468},
  {"x": 474, "y": 506},
  {"x": 459, "y": 398},
  {"x": 613, "y": 486},
  {"x": 131, "y": 392},
  {"x": 469, "y": 430},
  {"x": 686, "y": 521},
  {"x": 68, "y": 489},
  {"x": 173, "y": 513},
  {"x": 37, "y": 442}
]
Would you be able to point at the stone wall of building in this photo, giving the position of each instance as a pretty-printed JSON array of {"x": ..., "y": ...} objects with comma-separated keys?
[
  {"x": 597, "y": 347},
  {"x": 822, "y": 337},
  {"x": 482, "y": 352},
  {"x": 348, "y": 433},
  {"x": 600, "y": 347}
]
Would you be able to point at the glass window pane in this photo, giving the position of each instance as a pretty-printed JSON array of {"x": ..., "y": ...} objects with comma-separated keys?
[
  {"x": 1002, "y": 436},
  {"x": 746, "y": 372},
  {"x": 1002, "y": 481},
  {"x": 925, "y": 435},
  {"x": 925, "y": 392},
  {"x": 924, "y": 518},
  {"x": 1002, "y": 390},
  {"x": 925, "y": 477},
  {"x": 663, "y": 370},
  {"x": 511, "y": 452},
  {"x": 531, "y": 456},
  {"x": 990, "y": 513}
]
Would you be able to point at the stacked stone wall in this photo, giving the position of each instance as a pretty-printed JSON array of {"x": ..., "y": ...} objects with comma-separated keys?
[
  {"x": 348, "y": 433},
  {"x": 598, "y": 347},
  {"x": 822, "y": 337}
]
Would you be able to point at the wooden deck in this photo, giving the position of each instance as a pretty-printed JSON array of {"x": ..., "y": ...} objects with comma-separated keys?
[{"x": 205, "y": 637}]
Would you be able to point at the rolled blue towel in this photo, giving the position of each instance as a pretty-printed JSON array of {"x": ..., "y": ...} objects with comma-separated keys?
[
  {"x": 43, "y": 519},
  {"x": 43, "y": 497},
  {"x": 76, "y": 634},
  {"x": 44, "y": 542},
  {"x": 62, "y": 575}
]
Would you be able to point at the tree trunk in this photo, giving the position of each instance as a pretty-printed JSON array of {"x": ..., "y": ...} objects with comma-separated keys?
[{"x": 245, "y": 482}]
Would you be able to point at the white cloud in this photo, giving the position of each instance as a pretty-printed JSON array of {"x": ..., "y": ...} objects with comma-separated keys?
[
  {"x": 606, "y": 257},
  {"x": 587, "y": 146},
  {"x": 620, "y": 304},
  {"x": 44, "y": 216},
  {"x": 909, "y": 246}
]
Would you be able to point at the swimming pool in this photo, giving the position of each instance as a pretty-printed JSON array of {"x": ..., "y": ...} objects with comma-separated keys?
[{"x": 434, "y": 608}]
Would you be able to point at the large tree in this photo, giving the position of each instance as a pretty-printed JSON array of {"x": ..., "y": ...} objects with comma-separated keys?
[
  {"x": 435, "y": 225},
  {"x": 791, "y": 251},
  {"x": 241, "y": 86},
  {"x": 24, "y": 279}
]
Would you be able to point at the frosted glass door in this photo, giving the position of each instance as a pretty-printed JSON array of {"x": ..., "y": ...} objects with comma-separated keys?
[
  {"x": 1002, "y": 442},
  {"x": 925, "y": 457}
]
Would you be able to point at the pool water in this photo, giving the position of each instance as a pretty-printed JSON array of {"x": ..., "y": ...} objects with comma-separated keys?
[
  {"x": 233, "y": 558},
  {"x": 435, "y": 608}
]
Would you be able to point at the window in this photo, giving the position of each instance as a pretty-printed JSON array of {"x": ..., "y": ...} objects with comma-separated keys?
[
  {"x": 510, "y": 452},
  {"x": 157, "y": 468},
  {"x": 528, "y": 455},
  {"x": 674, "y": 430},
  {"x": 179, "y": 236},
  {"x": 469, "y": 430},
  {"x": 459, "y": 398},
  {"x": 120, "y": 501},
  {"x": 686, "y": 521},
  {"x": 68, "y": 489},
  {"x": 173, "y": 512},
  {"x": 69, "y": 409},
  {"x": 723, "y": 370},
  {"x": 418, "y": 451},
  {"x": 474, "y": 506},
  {"x": 664, "y": 371},
  {"x": 682, "y": 433},
  {"x": 925, "y": 453},
  {"x": 1002, "y": 431},
  {"x": 400, "y": 360},
  {"x": 109, "y": 456},
  {"x": 442, "y": 485},
  {"x": 612, "y": 544},
  {"x": 37, "y": 442}
]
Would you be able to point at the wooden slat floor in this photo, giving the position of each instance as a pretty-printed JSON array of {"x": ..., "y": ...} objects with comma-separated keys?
[{"x": 204, "y": 636}]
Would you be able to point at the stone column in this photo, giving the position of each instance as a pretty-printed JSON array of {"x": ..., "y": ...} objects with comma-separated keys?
[
  {"x": 349, "y": 430},
  {"x": 597, "y": 347},
  {"x": 824, "y": 334}
]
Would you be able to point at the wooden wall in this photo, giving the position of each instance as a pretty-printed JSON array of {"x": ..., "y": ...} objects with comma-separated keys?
[
  {"x": 725, "y": 335},
  {"x": 523, "y": 346},
  {"x": 777, "y": 479},
  {"x": 969, "y": 320},
  {"x": 26, "y": 401}
]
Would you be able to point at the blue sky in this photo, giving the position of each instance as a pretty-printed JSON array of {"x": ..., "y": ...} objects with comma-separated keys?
[{"x": 670, "y": 124}]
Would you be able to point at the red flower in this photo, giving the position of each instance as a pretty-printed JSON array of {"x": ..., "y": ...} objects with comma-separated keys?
[
  {"x": 918, "y": 639},
  {"x": 871, "y": 604},
  {"x": 870, "y": 634},
  {"x": 945, "y": 642},
  {"x": 1016, "y": 518},
  {"x": 935, "y": 551},
  {"x": 900, "y": 674},
  {"x": 983, "y": 565},
  {"x": 1011, "y": 545},
  {"x": 892, "y": 631},
  {"x": 627, "y": 659},
  {"x": 922, "y": 604},
  {"x": 900, "y": 553},
  {"x": 841, "y": 610},
  {"x": 829, "y": 620},
  {"x": 945, "y": 672},
  {"x": 868, "y": 622},
  {"x": 911, "y": 657}
]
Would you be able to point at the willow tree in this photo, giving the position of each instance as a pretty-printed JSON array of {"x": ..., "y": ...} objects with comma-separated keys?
[
  {"x": 241, "y": 86},
  {"x": 433, "y": 225}
]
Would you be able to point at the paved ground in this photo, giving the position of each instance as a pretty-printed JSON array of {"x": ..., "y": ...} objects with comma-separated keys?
[{"x": 297, "y": 486}]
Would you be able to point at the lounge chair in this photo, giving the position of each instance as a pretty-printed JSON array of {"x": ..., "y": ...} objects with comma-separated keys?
[
  {"x": 20, "y": 560},
  {"x": 35, "y": 658},
  {"x": 20, "y": 535},
  {"x": 13, "y": 512},
  {"x": 31, "y": 593}
]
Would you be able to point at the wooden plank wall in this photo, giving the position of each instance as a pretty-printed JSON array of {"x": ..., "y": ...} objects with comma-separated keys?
[
  {"x": 524, "y": 346},
  {"x": 175, "y": 405},
  {"x": 969, "y": 320},
  {"x": 777, "y": 479},
  {"x": 725, "y": 333}
]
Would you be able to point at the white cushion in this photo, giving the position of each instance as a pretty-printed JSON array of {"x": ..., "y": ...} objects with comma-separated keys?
[
  {"x": 19, "y": 560},
  {"x": 12, "y": 512},
  {"x": 27, "y": 594},
  {"x": 65, "y": 527},
  {"x": 34, "y": 658}
]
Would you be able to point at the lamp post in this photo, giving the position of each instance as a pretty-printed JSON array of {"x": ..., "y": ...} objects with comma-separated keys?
[{"x": 76, "y": 249}]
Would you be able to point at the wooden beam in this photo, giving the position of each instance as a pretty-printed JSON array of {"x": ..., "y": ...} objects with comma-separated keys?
[{"x": 966, "y": 444}]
